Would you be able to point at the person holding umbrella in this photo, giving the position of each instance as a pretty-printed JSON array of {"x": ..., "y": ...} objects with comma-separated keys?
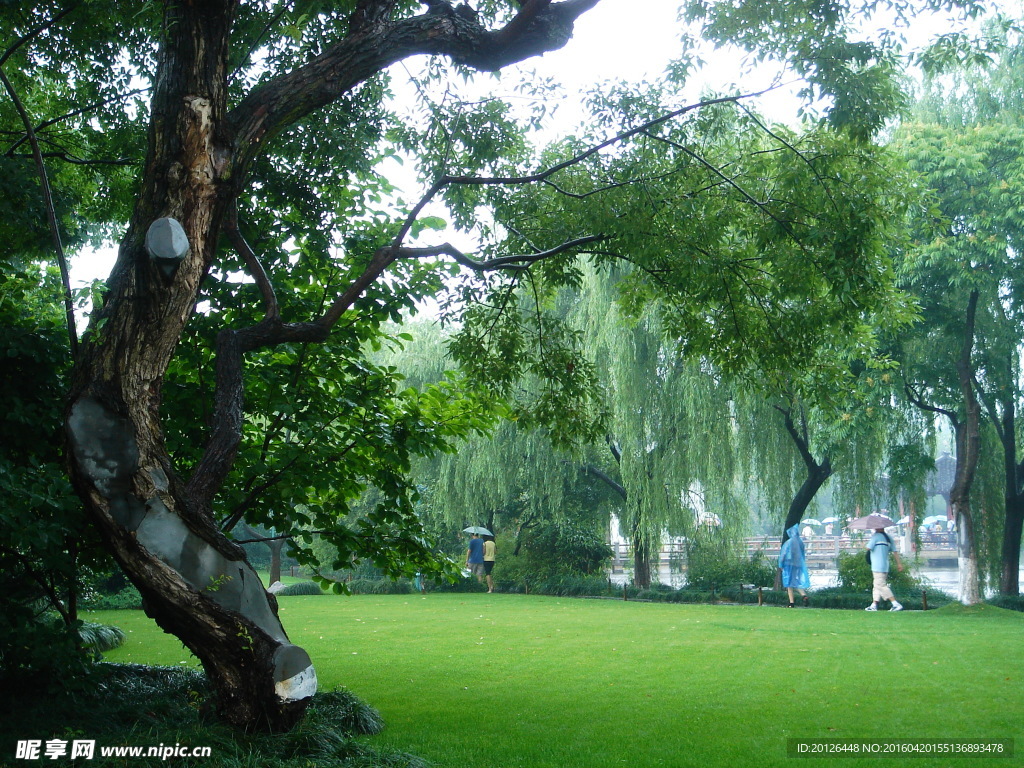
[
  {"x": 475, "y": 553},
  {"x": 879, "y": 547},
  {"x": 489, "y": 558},
  {"x": 793, "y": 564}
]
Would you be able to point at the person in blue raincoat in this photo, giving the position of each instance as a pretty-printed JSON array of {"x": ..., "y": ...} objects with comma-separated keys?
[{"x": 793, "y": 564}]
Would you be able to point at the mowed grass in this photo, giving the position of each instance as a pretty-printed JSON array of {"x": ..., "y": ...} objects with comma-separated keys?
[{"x": 497, "y": 681}]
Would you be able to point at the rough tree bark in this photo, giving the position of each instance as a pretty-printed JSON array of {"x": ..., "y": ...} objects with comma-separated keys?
[
  {"x": 195, "y": 583},
  {"x": 817, "y": 473},
  {"x": 643, "y": 547},
  {"x": 967, "y": 432},
  {"x": 1003, "y": 414},
  {"x": 967, "y": 436}
]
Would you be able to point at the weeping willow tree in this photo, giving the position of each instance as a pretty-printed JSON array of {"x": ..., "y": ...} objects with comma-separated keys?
[
  {"x": 670, "y": 437},
  {"x": 515, "y": 477},
  {"x": 793, "y": 445}
]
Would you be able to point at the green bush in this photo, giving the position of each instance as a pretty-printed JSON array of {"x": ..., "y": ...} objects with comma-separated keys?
[
  {"x": 467, "y": 584},
  {"x": 708, "y": 567},
  {"x": 855, "y": 576},
  {"x": 129, "y": 703},
  {"x": 301, "y": 588},
  {"x": 39, "y": 650},
  {"x": 98, "y": 638},
  {"x": 380, "y": 587},
  {"x": 1009, "y": 602},
  {"x": 126, "y": 599},
  {"x": 551, "y": 551}
]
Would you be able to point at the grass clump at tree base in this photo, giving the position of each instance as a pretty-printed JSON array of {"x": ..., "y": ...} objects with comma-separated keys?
[{"x": 147, "y": 706}]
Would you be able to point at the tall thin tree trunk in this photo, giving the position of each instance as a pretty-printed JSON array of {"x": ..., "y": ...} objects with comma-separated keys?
[
  {"x": 1013, "y": 495},
  {"x": 968, "y": 449},
  {"x": 275, "y": 559}
]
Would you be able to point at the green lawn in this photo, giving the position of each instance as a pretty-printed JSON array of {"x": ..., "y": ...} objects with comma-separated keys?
[{"x": 496, "y": 681}]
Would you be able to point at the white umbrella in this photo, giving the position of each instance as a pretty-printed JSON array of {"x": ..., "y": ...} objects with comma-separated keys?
[
  {"x": 810, "y": 521},
  {"x": 828, "y": 520},
  {"x": 477, "y": 529},
  {"x": 870, "y": 522}
]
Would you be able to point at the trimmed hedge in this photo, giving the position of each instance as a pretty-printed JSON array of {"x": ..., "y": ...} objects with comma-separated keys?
[
  {"x": 301, "y": 588},
  {"x": 1009, "y": 602}
]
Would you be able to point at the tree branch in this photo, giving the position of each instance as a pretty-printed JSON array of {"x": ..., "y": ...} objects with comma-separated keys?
[
  {"x": 252, "y": 263},
  {"x": 590, "y": 470},
  {"x": 918, "y": 400},
  {"x": 514, "y": 263},
  {"x": 373, "y": 44},
  {"x": 51, "y": 214}
]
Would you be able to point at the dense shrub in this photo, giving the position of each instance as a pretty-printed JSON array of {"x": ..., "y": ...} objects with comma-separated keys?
[
  {"x": 1009, "y": 602},
  {"x": 127, "y": 598},
  {"x": 854, "y": 575},
  {"x": 301, "y": 588},
  {"x": 129, "y": 703},
  {"x": 465, "y": 584},
  {"x": 708, "y": 567},
  {"x": 98, "y": 638},
  {"x": 380, "y": 587},
  {"x": 551, "y": 551}
]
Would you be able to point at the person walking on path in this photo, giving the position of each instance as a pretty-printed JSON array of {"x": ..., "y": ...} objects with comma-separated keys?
[
  {"x": 793, "y": 564},
  {"x": 880, "y": 545},
  {"x": 475, "y": 557},
  {"x": 489, "y": 553}
]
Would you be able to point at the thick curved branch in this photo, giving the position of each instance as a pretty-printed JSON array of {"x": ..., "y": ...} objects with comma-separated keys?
[
  {"x": 801, "y": 441},
  {"x": 918, "y": 400},
  {"x": 375, "y": 43},
  {"x": 252, "y": 263},
  {"x": 603, "y": 476}
]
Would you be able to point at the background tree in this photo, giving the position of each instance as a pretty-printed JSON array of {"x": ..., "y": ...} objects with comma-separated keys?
[
  {"x": 978, "y": 109},
  {"x": 960, "y": 270}
]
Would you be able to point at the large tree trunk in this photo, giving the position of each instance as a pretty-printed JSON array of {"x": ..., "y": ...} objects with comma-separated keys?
[
  {"x": 275, "y": 559},
  {"x": 195, "y": 583},
  {"x": 816, "y": 477},
  {"x": 968, "y": 449},
  {"x": 817, "y": 473},
  {"x": 1013, "y": 524},
  {"x": 1013, "y": 528},
  {"x": 642, "y": 551}
]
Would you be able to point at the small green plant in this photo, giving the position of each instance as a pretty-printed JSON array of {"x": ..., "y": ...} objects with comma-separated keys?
[
  {"x": 708, "y": 567},
  {"x": 216, "y": 582},
  {"x": 127, "y": 598},
  {"x": 131, "y": 703},
  {"x": 99, "y": 638}
]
